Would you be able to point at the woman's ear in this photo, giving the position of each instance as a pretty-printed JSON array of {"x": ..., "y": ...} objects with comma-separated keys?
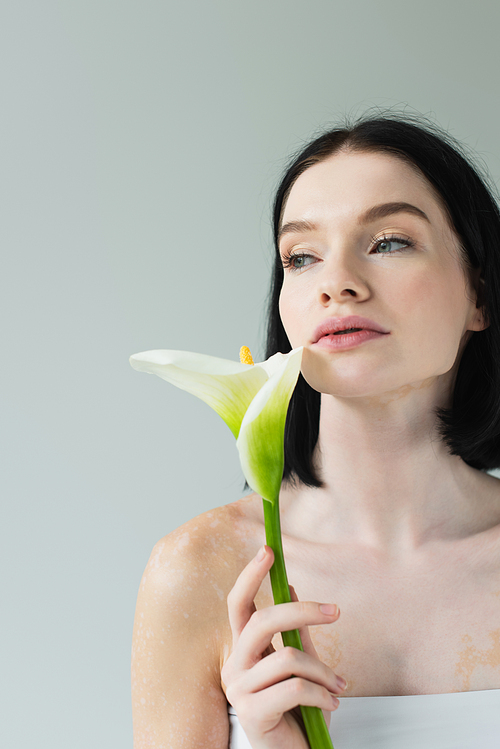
[{"x": 480, "y": 321}]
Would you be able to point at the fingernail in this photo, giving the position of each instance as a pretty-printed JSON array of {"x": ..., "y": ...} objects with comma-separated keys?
[
  {"x": 261, "y": 554},
  {"x": 341, "y": 682},
  {"x": 330, "y": 609}
]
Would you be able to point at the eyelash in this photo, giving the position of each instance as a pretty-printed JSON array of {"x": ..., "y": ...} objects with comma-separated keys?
[
  {"x": 287, "y": 260},
  {"x": 393, "y": 238}
]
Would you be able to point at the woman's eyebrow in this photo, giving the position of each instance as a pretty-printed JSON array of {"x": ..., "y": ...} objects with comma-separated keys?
[
  {"x": 296, "y": 227},
  {"x": 372, "y": 214},
  {"x": 387, "y": 209}
]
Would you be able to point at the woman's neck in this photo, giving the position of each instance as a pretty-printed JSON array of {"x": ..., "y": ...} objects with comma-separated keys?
[{"x": 389, "y": 481}]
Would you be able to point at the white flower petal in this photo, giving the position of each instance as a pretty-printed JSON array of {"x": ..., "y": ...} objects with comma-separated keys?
[{"x": 226, "y": 386}]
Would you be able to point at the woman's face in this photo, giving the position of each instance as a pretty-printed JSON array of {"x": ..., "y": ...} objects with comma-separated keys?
[{"x": 348, "y": 249}]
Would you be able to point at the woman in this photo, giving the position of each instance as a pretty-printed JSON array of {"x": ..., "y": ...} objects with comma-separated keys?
[{"x": 382, "y": 229}]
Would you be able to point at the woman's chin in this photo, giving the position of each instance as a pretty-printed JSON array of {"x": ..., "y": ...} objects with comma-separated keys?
[
  {"x": 372, "y": 384},
  {"x": 324, "y": 375}
]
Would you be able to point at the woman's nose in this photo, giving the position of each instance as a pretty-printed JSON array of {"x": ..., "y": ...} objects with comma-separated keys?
[{"x": 341, "y": 282}]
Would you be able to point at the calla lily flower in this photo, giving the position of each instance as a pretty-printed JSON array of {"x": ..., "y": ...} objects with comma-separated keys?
[
  {"x": 251, "y": 398},
  {"x": 253, "y": 401}
]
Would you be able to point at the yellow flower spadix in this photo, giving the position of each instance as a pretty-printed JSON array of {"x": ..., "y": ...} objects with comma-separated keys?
[{"x": 245, "y": 355}]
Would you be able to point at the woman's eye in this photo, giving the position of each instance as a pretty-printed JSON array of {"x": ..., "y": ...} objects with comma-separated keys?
[
  {"x": 296, "y": 262},
  {"x": 391, "y": 244}
]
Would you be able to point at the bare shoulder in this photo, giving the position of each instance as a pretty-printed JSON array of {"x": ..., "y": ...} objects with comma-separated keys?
[
  {"x": 481, "y": 545},
  {"x": 486, "y": 497},
  {"x": 181, "y": 629},
  {"x": 207, "y": 548},
  {"x": 492, "y": 489}
]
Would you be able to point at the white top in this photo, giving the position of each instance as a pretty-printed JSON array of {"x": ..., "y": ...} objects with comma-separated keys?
[{"x": 461, "y": 720}]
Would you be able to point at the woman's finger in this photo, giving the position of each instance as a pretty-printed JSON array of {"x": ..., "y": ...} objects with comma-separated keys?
[
  {"x": 257, "y": 635},
  {"x": 309, "y": 648},
  {"x": 304, "y": 631},
  {"x": 285, "y": 663},
  {"x": 305, "y": 637},
  {"x": 240, "y": 601},
  {"x": 271, "y": 704}
]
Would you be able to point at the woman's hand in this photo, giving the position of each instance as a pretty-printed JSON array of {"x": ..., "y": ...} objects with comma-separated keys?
[{"x": 257, "y": 677}]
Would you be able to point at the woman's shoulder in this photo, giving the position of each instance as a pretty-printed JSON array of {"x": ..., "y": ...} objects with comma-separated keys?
[
  {"x": 181, "y": 627},
  {"x": 485, "y": 496},
  {"x": 207, "y": 552}
]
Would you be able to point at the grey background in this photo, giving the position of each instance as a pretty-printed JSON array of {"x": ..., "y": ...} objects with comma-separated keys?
[{"x": 140, "y": 144}]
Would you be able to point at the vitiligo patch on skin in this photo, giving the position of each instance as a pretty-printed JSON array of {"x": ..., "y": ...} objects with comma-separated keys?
[
  {"x": 327, "y": 644},
  {"x": 471, "y": 658}
]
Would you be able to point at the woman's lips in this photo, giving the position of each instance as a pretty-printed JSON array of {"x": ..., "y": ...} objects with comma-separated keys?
[{"x": 343, "y": 341}]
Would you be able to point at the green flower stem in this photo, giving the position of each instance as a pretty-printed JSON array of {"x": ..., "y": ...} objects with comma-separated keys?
[{"x": 316, "y": 728}]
